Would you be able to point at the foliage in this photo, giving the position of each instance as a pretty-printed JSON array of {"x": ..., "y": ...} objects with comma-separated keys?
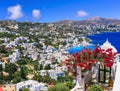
[
  {"x": 59, "y": 87},
  {"x": 70, "y": 85},
  {"x": 40, "y": 67},
  {"x": 80, "y": 39},
  {"x": 35, "y": 64},
  {"x": 47, "y": 67},
  {"x": 39, "y": 45},
  {"x": 95, "y": 88},
  {"x": 26, "y": 89},
  {"x": 1, "y": 68},
  {"x": 22, "y": 61},
  {"x": 23, "y": 72},
  {"x": 11, "y": 68},
  {"x": 4, "y": 34},
  {"x": 65, "y": 79},
  {"x": 17, "y": 77},
  {"x": 45, "y": 79},
  {"x": 1, "y": 78},
  {"x": 2, "y": 49}
]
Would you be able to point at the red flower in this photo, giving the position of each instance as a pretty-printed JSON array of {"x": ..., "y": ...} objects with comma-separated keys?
[
  {"x": 109, "y": 64},
  {"x": 106, "y": 60},
  {"x": 92, "y": 61},
  {"x": 87, "y": 57},
  {"x": 109, "y": 49},
  {"x": 68, "y": 60},
  {"x": 81, "y": 65},
  {"x": 87, "y": 67}
]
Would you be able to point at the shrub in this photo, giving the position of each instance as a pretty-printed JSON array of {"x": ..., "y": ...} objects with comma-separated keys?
[
  {"x": 70, "y": 85},
  {"x": 95, "y": 88},
  {"x": 59, "y": 87}
]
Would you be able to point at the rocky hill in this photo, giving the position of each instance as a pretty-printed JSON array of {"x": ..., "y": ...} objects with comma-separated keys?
[{"x": 93, "y": 20}]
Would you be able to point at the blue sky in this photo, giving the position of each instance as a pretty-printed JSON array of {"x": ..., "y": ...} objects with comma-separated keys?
[{"x": 55, "y": 10}]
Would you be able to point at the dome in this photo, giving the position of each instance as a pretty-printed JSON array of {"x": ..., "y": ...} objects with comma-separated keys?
[{"x": 107, "y": 45}]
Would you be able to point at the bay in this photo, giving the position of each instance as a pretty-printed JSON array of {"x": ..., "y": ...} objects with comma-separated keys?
[{"x": 112, "y": 37}]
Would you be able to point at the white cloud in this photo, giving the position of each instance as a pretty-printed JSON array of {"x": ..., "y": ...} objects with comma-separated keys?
[
  {"x": 36, "y": 14},
  {"x": 82, "y": 13},
  {"x": 15, "y": 12}
]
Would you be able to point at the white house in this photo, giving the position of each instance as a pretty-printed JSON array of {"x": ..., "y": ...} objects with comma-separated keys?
[
  {"x": 2, "y": 29},
  {"x": 15, "y": 56},
  {"x": 32, "y": 85},
  {"x": 43, "y": 72},
  {"x": 54, "y": 74}
]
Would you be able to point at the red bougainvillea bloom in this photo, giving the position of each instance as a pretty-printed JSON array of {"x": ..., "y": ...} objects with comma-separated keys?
[
  {"x": 87, "y": 57},
  {"x": 80, "y": 65},
  {"x": 87, "y": 67},
  {"x": 92, "y": 61},
  {"x": 106, "y": 60},
  {"x": 109, "y": 64}
]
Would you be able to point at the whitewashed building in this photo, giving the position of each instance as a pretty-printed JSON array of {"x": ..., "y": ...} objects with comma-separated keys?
[
  {"x": 32, "y": 85},
  {"x": 54, "y": 74}
]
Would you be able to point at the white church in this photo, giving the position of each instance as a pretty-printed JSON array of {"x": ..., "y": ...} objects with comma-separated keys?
[{"x": 102, "y": 75}]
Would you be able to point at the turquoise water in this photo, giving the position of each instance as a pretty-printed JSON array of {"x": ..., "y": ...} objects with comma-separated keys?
[
  {"x": 99, "y": 39},
  {"x": 80, "y": 48},
  {"x": 113, "y": 38}
]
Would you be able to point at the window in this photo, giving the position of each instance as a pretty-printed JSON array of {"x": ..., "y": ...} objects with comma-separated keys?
[{"x": 104, "y": 74}]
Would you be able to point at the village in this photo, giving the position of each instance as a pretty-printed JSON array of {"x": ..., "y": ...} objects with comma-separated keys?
[{"x": 33, "y": 55}]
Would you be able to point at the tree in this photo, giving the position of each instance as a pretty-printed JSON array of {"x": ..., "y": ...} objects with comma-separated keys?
[
  {"x": 40, "y": 67},
  {"x": 17, "y": 77},
  {"x": 2, "y": 49},
  {"x": 22, "y": 61},
  {"x": 47, "y": 67},
  {"x": 36, "y": 65},
  {"x": 23, "y": 72},
  {"x": 70, "y": 85},
  {"x": 1, "y": 78},
  {"x": 1, "y": 68},
  {"x": 11, "y": 68}
]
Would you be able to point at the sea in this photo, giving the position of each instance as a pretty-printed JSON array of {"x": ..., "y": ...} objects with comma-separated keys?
[
  {"x": 112, "y": 37},
  {"x": 99, "y": 39}
]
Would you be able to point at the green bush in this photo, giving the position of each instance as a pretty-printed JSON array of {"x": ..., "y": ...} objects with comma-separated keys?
[
  {"x": 70, "y": 85},
  {"x": 26, "y": 89},
  {"x": 95, "y": 88},
  {"x": 59, "y": 87}
]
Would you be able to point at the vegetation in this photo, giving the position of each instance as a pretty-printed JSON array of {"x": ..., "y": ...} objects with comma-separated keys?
[
  {"x": 70, "y": 85},
  {"x": 26, "y": 89},
  {"x": 59, "y": 87},
  {"x": 65, "y": 79},
  {"x": 96, "y": 88},
  {"x": 45, "y": 78},
  {"x": 4, "y": 34}
]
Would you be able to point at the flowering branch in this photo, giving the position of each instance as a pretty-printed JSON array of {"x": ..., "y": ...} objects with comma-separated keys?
[{"x": 86, "y": 58}]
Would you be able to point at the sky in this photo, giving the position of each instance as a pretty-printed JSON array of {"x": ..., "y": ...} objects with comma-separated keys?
[{"x": 55, "y": 10}]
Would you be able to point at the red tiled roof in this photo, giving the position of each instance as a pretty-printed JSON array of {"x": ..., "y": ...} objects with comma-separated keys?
[{"x": 1, "y": 89}]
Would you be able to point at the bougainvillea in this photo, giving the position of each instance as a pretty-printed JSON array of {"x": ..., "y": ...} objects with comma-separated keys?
[{"x": 87, "y": 57}]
